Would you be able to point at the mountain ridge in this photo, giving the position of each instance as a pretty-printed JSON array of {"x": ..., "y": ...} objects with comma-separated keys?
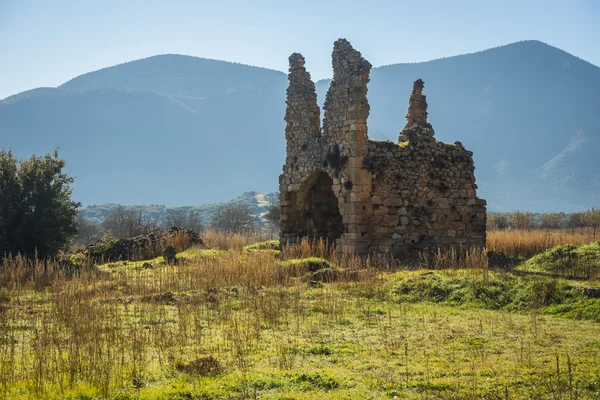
[{"x": 517, "y": 107}]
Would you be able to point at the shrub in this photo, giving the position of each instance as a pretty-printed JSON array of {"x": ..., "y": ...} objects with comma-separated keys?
[{"x": 204, "y": 366}]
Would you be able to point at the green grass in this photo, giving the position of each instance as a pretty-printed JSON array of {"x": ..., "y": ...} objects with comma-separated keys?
[
  {"x": 271, "y": 246},
  {"x": 495, "y": 291},
  {"x": 225, "y": 325},
  {"x": 309, "y": 264},
  {"x": 188, "y": 255},
  {"x": 196, "y": 252},
  {"x": 567, "y": 261},
  {"x": 132, "y": 265},
  {"x": 266, "y": 245}
]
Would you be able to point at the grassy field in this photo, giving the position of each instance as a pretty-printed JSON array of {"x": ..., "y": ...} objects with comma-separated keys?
[{"x": 242, "y": 321}]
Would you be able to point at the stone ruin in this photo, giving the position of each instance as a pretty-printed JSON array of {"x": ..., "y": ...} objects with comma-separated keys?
[
  {"x": 371, "y": 197},
  {"x": 142, "y": 247}
]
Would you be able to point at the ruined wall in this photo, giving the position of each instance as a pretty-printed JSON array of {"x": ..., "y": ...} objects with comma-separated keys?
[
  {"x": 328, "y": 162},
  {"x": 369, "y": 196},
  {"x": 424, "y": 191}
]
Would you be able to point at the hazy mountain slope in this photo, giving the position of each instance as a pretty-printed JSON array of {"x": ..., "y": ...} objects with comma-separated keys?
[
  {"x": 178, "y": 75},
  {"x": 142, "y": 147},
  {"x": 517, "y": 107},
  {"x": 182, "y": 130}
]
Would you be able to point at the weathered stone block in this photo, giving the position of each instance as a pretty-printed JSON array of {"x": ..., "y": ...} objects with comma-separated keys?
[
  {"x": 390, "y": 220},
  {"x": 354, "y": 208},
  {"x": 393, "y": 202}
]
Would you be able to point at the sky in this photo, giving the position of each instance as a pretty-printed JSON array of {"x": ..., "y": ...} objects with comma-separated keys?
[{"x": 48, "y": 42}]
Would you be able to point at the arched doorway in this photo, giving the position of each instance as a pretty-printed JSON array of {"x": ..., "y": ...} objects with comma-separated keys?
[{"x": 321, "y": 218}]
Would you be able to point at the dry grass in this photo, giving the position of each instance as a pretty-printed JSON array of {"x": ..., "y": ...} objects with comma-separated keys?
[
  {"x": 235, "y": 325},
  {"x": 523, "y": 244},
  {"x": 225, "y": 241}
]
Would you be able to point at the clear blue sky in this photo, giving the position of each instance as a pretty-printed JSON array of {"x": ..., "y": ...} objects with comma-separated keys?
[{"x": 47, "y": 42}]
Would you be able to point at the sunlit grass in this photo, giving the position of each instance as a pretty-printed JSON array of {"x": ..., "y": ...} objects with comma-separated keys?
[
  {"x": 523, "y": 244},
  {"x": 234, "y": 323}
]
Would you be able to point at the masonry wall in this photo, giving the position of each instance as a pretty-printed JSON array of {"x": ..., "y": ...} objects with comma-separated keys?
[
  {"x": 336, "y": 152},
  {"x": 423, "y": 197},
  {"x": 369, "y": 196}
]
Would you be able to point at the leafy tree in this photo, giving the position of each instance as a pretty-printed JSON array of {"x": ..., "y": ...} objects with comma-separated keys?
[
  {"x": 521, "y": 220},
  {"x": 37, "y": 215},
  {"x": 235, "y": 218},
  {"x": 188, "y": 219},
  {"x": 553, "y": 220}
]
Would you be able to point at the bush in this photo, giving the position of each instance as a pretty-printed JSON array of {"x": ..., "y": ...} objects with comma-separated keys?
[
  {"x": 204, "y": 366},
  {"x": 37, "y": 215}
]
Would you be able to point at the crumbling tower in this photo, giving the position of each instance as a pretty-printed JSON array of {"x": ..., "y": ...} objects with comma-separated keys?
[
  {"x": 370, "y": 196},
  {"x": 416, "y": 119}
]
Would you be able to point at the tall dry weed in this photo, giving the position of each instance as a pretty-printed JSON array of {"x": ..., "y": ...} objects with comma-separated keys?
[{"x": 524, "y": 244}]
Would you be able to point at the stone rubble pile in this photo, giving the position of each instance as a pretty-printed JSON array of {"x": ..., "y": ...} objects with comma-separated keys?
[{"x": 141, "y": 247}]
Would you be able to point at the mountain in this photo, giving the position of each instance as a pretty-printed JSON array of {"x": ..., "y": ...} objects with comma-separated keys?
[
  {"x": 183, "y": 130},
  {"x": 168, "y": 129}
]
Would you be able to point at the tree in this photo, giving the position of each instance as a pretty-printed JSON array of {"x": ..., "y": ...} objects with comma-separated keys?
[
  {"x": 576, "y": 220},
  {"x": 495, "y": 222},
  {"x": 37, "y": 215},
  {"x": 553, "y": 220},
  {"x": 273, "y": 215},
  {"x": 125, "y": 223},
  {"x": 183, "y": 219},
  {"x": 235, "y": 218},
  {"x": 592, "y": 219},
  {"x": 87, "y": 232},
  {"x": 520, "y": 220}
]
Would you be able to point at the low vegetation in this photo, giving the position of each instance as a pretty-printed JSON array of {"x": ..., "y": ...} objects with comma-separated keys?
[
  {"x": 241, "y": 320},
  {"x": 568, "y": 261},
  {"x": 524, "y": 244}
]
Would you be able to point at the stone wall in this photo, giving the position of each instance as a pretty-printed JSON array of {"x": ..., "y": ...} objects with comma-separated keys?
[{"x": 370, "y": 196}]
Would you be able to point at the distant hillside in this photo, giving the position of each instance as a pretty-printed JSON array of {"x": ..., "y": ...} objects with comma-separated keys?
[
  {"x": 258, "y": 204},
  {"x": 183, "y": 130},
  {"x": 213, "y": 132},
  {"x": 177, "y": 76}
]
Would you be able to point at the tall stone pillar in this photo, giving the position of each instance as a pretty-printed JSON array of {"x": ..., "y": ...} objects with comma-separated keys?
[
  {"x": 345, "y": 125},
  {"x": 416, "y": 119},
  {"x": 302, "y": 131}
]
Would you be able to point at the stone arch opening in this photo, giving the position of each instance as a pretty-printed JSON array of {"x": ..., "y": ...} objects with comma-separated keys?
[{"x": 321, "y": 214}]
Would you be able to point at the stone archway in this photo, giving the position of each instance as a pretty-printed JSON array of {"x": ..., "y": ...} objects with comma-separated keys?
[{"x": 319, "y": 205}]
